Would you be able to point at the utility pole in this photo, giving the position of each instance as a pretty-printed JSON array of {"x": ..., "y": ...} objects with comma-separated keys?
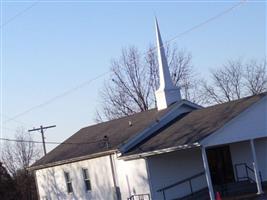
[{"x": 41, "y": 129}]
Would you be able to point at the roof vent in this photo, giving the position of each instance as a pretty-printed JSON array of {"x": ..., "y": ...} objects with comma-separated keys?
[
  {"x": 130, "y": 123},
  {"x": 106, "y": 141}
]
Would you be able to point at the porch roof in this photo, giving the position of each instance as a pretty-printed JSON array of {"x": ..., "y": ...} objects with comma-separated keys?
[{"x": 195, "y": 126}]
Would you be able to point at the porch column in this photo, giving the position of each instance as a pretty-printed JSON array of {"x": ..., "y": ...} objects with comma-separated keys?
[
  {"x": 207, "y": 172},
  {"x": 255, "y": 167}
]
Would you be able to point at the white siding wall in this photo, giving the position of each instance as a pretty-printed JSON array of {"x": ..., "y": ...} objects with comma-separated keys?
[
  {"x": 132, "y": 177},
  {"x": 51, "y": 181},
  {"x": 241, "y": 153},
  {"x": 169, "y": 168},
  {"x": 252, "y": 123}
]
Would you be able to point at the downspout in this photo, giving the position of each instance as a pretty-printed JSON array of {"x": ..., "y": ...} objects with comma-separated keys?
[
  {"x": 117, "y": 189},
  {"x": 112, "y": 163}
]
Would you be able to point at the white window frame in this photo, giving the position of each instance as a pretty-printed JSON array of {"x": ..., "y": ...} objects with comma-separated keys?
[
  {"x": 68, "y": 182},
  {"x": 86, "y": 179}
]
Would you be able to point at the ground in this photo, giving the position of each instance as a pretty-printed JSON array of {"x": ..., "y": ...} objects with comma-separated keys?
[{"x": 248, "y": 197}]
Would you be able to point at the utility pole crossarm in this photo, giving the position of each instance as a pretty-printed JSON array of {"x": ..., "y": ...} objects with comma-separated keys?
[{"x": 41, "y": 129}]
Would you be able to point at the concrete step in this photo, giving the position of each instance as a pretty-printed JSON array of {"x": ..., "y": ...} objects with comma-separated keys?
[
  {"x": 243, "y": 187},
  {"x": 247, "y": 197},
  {"x": 202, "y": 194},
  {"x": 230, "y": 191}
]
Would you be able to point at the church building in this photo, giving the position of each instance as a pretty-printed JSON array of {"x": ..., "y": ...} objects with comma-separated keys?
[{"x": 179, "y": 150}]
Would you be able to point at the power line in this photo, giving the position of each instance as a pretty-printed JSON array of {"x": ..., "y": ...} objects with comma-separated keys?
[
  {"x": 15, "y": 120},
  {"x": 209, "y": 20},
  {"x": 50, "y": 142},
  {"x": 10, "y": 129},
  {"x": 57, "y": 97},
  {"x": 19, "y": 14},
  {"x": 203, "y": 23},
  {"x": 228, "y": 10}
]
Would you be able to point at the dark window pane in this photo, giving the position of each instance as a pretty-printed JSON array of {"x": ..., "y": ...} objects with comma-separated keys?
[
  {"x": 68, "y": 182},
  {"x": 85, "y": 174},
  {"x": 87, "y": 185},
  {"x": 69, "y": 186},
  {"x": 67, "y": 177}
]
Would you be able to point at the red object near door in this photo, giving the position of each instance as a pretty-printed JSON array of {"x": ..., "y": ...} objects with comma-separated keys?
[{"x": 218, "y": 196}]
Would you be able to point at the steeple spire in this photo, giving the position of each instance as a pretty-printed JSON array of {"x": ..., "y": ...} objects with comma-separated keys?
[{"x": 167, "y": 92}]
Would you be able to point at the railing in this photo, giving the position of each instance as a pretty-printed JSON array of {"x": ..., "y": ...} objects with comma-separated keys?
[
  {"x": 139, "y": 197},
  {"x": 247, "y": 174},
  {"x": 189, "y": 180}
]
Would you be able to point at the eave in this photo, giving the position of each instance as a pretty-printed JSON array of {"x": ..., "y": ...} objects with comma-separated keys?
[
  {"x": 71, "y": 160},
  {"x": 157, "y": 152}
]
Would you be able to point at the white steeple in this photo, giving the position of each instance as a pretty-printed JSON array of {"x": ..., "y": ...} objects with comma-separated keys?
[{"x": 167, "y": 92}]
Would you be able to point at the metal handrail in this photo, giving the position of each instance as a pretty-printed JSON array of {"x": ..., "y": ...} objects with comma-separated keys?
[
  {"x": 247, "y": 174},
  {"x": 140, "y": 197},
  {"x": 189, "y": 180}
]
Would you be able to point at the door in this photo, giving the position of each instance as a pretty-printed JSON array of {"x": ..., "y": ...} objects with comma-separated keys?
[{"x": 220, "y": 164}]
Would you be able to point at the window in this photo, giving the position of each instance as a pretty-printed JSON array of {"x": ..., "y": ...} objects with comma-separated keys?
[
  {"x": 86, "y": 180},
  {"x": 68, "y": 182}
]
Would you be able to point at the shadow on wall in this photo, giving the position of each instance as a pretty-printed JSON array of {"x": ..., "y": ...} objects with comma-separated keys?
[
  {"x": 102, "y": 184},
  {"x": 53, "y": 183},
  {"x": 50, "y": 187},
  {"x": 54, "y": 187},
  {"x": 55, "y": 190},
  {"x": 136, "y": 184}
]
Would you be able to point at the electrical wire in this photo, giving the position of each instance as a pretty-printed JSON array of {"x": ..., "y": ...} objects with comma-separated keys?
[
  {"x": 49, "y": 142},
  {"x": 228, "y": 10},
  {"x": 9, "y": 129},
  {"x": 15, "y": 120},
  {"x": 197, "y": 26},
  {"x": 57, "y": 97},
  {"x": 19, "y": 14}
]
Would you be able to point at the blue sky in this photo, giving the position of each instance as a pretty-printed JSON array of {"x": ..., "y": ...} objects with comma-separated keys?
[{"x": 54, "y": 46}]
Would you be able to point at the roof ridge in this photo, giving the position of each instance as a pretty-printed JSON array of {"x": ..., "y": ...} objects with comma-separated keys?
[{"x": 236, "y": 100}]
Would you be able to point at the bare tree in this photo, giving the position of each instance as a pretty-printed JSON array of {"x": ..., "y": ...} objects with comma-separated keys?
[
  {"x": 134, "y": 79},
  {"x": 19, "y": 155},
  {"x": 7, "y": 187},
  {"x": 235, "y": 80},
  {"x": 256, "y": 77}
]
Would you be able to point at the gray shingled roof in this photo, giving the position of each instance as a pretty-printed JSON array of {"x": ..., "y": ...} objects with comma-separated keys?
[
  {"x": 196, "y": 125},
  {"x": 118, "y": 131},
  {"x": 188, "y": 129}
]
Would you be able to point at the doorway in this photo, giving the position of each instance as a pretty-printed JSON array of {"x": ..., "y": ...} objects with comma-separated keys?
[{"x": 220, "y": 164}]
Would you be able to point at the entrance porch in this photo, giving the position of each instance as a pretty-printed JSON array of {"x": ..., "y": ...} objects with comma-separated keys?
[{"x": 233, "y": 169}]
